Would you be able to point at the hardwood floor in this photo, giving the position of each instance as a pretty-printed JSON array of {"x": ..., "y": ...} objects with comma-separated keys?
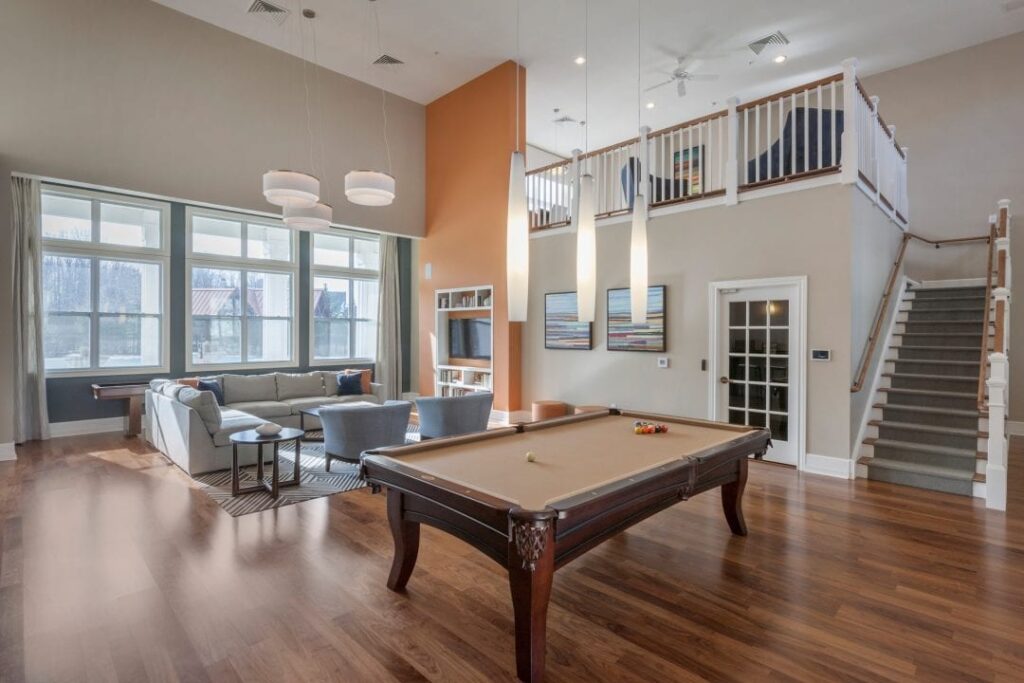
[{"x": 113, "y": 568}]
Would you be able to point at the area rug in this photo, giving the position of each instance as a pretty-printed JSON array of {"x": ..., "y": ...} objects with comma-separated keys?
[{"x": 315, "y": 482}]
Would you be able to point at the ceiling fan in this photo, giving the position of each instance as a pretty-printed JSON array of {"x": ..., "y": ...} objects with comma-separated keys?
[{"x": 685, "y": 72}]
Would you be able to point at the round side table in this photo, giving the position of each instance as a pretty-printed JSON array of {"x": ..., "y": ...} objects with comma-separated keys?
[
  {"x": 251, "y": 437},
  {"x": 544, "y": 410}
]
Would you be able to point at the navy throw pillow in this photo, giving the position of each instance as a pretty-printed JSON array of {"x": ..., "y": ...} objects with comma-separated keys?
[
  {"x": 350, "y": 385},
  {"x": 214, "y": 386}
]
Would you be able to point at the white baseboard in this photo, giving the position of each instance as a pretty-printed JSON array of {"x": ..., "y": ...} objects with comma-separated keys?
[
  {"x": 964, "y": 282},
  {"x": 81, "y": 427},
  {"x": 829, "y": 466},
  {"x": 7, "y": 452},
  {"x": 1015, "y": 428}
]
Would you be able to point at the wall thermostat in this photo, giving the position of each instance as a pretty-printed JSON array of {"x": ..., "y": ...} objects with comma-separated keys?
[
  {"x": 821, "y": 354},
  {"x": 663, "y": 362}
]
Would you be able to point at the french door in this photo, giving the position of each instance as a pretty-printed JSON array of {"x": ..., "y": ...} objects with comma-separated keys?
[{"x": 758, "y": 374}]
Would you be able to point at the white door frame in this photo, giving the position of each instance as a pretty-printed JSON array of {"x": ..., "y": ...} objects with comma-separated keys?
[{"x": 714, "y": 291}]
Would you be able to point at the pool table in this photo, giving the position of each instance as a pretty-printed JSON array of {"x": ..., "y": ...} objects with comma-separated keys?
[{"x": 535, "y": 496}]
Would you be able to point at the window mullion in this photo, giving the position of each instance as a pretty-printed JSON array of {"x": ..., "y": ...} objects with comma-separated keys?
[
  {"x": 94, "y": 313},
  {"x": 243, "y": 310}
]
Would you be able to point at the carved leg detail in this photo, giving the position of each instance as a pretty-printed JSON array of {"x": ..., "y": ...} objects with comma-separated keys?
[
  {"x": 531, "y": 570},
  {"x": 406, "y": 536},
  {"x": 732, "y": 500}
]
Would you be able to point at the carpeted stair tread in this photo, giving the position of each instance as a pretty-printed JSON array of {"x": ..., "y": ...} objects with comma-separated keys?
[
  {"x": 926, "y": 409},
  {"x": 924, "y": 361},
  {"x": 934, "y": 348},
  {"x": 980, "y": 298},
  {"x": 963, "y": 290},
  {"x": 918, "y": 468},
  {"x": 965, "y": 453},
  {"x": 928, "y": 392},
  {"x": 951, "y": 431},
  {"x": 976, "y": 323},
  {"x": 914, "y": 375}
]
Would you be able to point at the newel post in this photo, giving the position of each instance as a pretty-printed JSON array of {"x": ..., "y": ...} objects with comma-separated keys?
[
  {"x": 732, "y": 171},
  {"x": 574, "y": 207},
  {"x": 995, "y": 469},
  {"x": 850, "y": 141},
  {"x": 904, "y": 187}
]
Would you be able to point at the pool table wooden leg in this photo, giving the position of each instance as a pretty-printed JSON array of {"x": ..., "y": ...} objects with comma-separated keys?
[
  {"x": 531, "y": 570},
  {"x": 732, "y": 500},
  {"x": 406, "y": 536}
]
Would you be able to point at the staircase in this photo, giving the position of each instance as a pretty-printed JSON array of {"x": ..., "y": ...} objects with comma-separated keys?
[{"x": 925, "y": 426}]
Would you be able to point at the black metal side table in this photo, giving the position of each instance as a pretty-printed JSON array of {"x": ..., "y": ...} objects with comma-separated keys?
[{"x": 251, "y": 437}]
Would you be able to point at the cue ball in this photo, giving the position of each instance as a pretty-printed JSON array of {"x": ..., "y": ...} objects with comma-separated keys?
[{"x": 530, "y": 457}]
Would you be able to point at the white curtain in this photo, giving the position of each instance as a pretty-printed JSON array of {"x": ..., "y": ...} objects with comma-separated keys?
[
  {"x": 31, "y": 420},
  {"x": 389, "y": 335}
]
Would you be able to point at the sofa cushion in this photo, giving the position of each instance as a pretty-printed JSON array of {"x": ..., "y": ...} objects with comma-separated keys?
[
  {"x": 299, "y": 386},
  {"x": 298, "y": 404},
  {"x": 232, "y": 422},
  {"x": 369, "y": 398},
  {"x": 263, "y": 409},
  {"x": 204, "y": 403},
  {"x": 171, "y": 389},
  {"x": 247, "y": 388},
  {"x": 155, "y": 384}
]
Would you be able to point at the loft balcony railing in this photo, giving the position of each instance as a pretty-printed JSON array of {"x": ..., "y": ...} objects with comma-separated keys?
[{"x": 788, "y": 136}]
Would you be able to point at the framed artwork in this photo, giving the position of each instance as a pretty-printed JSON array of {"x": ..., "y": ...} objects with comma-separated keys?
[
  {"x": 562, "y": 328},
  {"x": 623, "y": 335},
  {"x": 688, "y": 166}
]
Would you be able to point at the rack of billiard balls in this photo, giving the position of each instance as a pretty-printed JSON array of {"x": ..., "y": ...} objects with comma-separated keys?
[{"x": 641, "y": 427}]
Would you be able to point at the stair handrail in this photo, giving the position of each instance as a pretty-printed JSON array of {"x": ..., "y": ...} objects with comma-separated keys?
[
  {"x": 883, "y": 305},
  {"x": 983, "y": 367}
]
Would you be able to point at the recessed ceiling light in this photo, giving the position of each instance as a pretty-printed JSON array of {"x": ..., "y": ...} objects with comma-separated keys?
[
  {"x": 580, "y": 60},
  {"x": 650, "y": 105},
  {"x": 779, "y": 59}
]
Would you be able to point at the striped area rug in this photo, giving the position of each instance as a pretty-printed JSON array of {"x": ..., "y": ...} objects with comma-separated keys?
[{"x": 315, "y": 482}]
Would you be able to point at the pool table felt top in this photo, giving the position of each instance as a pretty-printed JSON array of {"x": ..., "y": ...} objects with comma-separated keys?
[{"x": 571, "y": 458}]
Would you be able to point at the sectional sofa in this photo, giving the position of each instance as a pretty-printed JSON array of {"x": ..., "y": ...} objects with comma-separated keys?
[{"x": 193, "y": 430}]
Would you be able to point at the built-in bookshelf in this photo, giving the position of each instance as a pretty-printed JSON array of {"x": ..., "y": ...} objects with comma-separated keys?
[{"x": 458, "y": 376}]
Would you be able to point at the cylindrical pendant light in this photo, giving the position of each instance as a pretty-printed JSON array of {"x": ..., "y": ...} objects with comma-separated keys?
[
  {"x": 291, "y": 189},
  {"x": 638, "y": 262},
  {"x": 586, "y": 252},
  {"x": 517, "y": 245},
  {"x": 312, "y": 218},
  {"x": 370, "y": 188}
]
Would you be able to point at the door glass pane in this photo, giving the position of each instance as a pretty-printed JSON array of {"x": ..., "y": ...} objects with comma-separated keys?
[
  {"x": 216, "y": 292},
  {"x": 757, "y": 366},
  {"x": 66, "y": 342},
  {"x": 332, "y": 250},
  {"x": 758, "y": 313},
  {"x": 129, "y": 341},
  {"x": 779, "y": 312},
  {"x": 269, "y": 294},
  {"x": 780, "y": 427},
  {"x": 216, "y": 340},
  {"x": 66, "y": 218},
  {"x": 737, "y": 313},
  {"x": 779, "y": 370},
  {"x": 127, "y": 287},
  {"x": 216, "y": 236},
  {"x": 67, "y": 284},
  {"x": 737, "y": 341},
  {"x": 737, "y": 417},
  {"x": 737, "y": 395},
  {"x": 755, "y": 419},
  {"x": 757, "y": 396},
  {"x": 366, "y": 254},
  {"x": 269, "y": 340},
  {"x": 780, "y": 341},
  {"x": 757, "y": 341},
  {"x": 268, "y": 242},
  {"x": 130, "y": 226},
  {"x": 737, "y": 368},
  {"x": 779, "y": 399}
]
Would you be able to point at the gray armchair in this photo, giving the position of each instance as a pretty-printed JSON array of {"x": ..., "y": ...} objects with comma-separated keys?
[
  {"x": 453, "y": 415},
  {"x": 350, "y": 430}
]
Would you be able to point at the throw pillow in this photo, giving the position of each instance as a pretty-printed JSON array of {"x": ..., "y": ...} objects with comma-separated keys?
[
  {"x": 204, "y": 403},
  {"x": 350, "y": 384},
  {"x": 213, "y": 386},
  {"x": 190, "y": 382},
  {"x": 364, "y": 379}
]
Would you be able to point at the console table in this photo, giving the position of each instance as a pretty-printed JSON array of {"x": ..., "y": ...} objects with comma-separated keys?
[{"x": 134, "y": 394}]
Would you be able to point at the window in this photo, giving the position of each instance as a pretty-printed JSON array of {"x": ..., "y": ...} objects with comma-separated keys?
[
  {"x": 344, "y": 297},
  {"x": 104, "y": 271},
  {"x": 242, "y": 274}
]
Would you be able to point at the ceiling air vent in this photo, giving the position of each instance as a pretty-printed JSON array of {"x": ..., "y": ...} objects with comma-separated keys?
[
  {"x": 387, "y": 59},
  {"x": 774, "y": 39},
  {"x": 267, "y": 10}
]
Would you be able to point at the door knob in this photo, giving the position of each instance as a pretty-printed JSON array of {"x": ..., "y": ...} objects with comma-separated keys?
[{"x": 723, "y": 380}]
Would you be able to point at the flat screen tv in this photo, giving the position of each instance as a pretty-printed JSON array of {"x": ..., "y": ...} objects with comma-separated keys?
[{"x": 469, "y": 338}]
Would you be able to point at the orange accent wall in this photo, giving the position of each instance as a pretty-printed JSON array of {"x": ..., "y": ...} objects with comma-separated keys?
[{"x": 470, "y": 138}]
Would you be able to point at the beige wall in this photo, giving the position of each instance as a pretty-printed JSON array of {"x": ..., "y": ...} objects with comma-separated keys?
[
  {"x": 960, "y": 115},
  {"x": 131, "y": 94},
  {"x": 800, "y": 233}
]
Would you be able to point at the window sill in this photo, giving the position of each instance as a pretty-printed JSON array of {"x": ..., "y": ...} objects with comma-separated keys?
[{"x": 107, "y": 372}]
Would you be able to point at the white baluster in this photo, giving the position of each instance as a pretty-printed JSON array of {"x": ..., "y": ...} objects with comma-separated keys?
[
  {"x": 995, "y": 468},
  {"x": 757, "y": 144},
  {"x": 904, "y": 192},
  {"x": 574, "y": 206},
  {"x": 732, "y": 150},
  {"x": 850, "y": 141}
]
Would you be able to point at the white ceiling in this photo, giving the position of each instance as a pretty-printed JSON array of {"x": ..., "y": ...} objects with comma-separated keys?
[{"x": 445, "y": 43}]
